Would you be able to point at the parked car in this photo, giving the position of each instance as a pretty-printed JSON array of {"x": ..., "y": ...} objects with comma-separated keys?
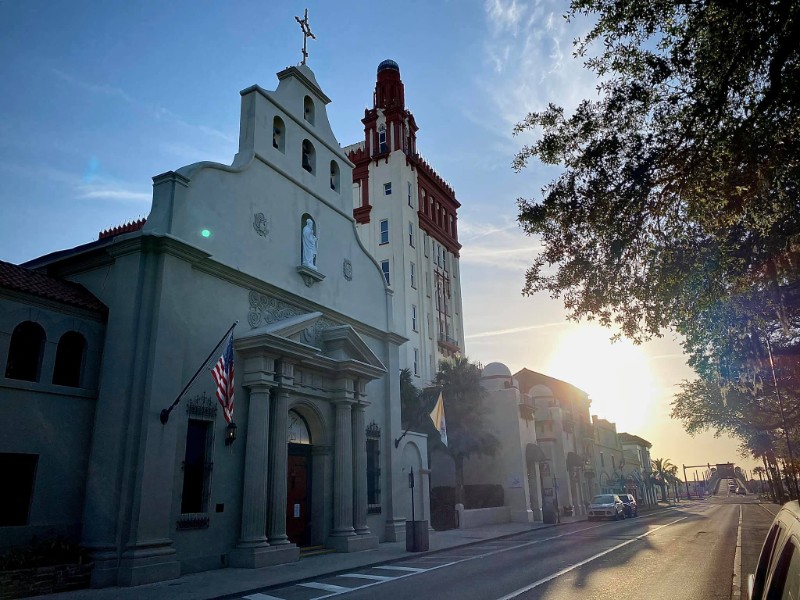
[
  {"x": 732, "y": 488},
  {"x": 606, "y": 506},
  {"x": 777, "y": 572},
  {"x": 629, "y": 503},
  {"x": 741, "y": 491}
]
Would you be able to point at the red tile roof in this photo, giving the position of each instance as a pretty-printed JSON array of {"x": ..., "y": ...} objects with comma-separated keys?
[
  {"x": 38, "y": 284},
  {"x": 120, "y": 229}
]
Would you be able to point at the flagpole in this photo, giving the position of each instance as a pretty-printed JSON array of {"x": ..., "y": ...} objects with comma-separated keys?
[{"x": 164, "y": 416}]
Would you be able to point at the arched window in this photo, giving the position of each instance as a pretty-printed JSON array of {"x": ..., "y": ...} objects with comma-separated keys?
[
  {"x": 298, "y": 429},
  {"x": 69, "y": 359},
  {"x": 25, "y": 352},
  {"x": 278, "y": 134},
  {"x": 309, "y": 157},
  {"x": 308, "y": 109},
  {"x": 334, "y": 176}
]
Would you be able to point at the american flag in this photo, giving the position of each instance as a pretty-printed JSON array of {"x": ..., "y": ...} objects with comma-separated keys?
[{"x": 223, "y": 375}]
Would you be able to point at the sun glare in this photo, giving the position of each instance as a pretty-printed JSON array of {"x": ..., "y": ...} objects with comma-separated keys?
[{"x": 615, "y": 375}]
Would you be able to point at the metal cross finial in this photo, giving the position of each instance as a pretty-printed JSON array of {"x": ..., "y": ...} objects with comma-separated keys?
[{"x": 306, "y": 33}]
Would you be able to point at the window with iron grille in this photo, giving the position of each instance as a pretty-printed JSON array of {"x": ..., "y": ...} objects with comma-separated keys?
[
  {"x": 197, "y": 463},
  {"x": 373, "y": 468}
]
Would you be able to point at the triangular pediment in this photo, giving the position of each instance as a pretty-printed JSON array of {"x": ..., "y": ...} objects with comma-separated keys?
[
  {"x": 292, "y": 328},
  {"x": 344, "y": 344}
]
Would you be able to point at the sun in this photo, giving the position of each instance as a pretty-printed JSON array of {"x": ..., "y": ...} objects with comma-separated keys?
[{"x": 616, "y": 375}]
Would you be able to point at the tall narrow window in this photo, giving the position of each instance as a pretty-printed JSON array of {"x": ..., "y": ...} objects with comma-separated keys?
[
  {"x": 69, "y": 359},
  {"x": 387, "y": 189},
  {"x": 25, "y": 352},
  {"x": 413, "y": 272},
  {"x": 409, "y": 195},
  {"x": 373, "y": 468},
  {"x": 382, "y": 145},
  {"x": 309, "y": 157},
  {"x": 19, "y": 474},
  {"x": 384, "y": 231},
  {"x": 197, "y": 463},
  {"x": 602, "y": 460},
  {"x": 411, "y": 234},
  {"x": 334, "y": 176},
  {"x": 414, "y": 317},
  {"x": 614, "y": 462},
  {"x": 278, "y": 134},
  {"x": 308, "y": 109},
  {"x": 416, "y": 362},
  {"x": 385, "y": 269}
]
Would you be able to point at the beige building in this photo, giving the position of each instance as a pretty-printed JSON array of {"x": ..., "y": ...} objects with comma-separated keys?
[{"x": 563, "y": 431}]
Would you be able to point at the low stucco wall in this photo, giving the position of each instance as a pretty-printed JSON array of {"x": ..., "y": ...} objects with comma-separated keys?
[{"x": 476, "y": 517}]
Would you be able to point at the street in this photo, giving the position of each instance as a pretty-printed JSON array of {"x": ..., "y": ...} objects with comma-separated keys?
[{"x": 688, "y": 551}]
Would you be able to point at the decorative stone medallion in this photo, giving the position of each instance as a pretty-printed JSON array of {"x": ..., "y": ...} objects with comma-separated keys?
[
  {"x": 261, "y": 224},
  {"x": 347, "y": 269}
]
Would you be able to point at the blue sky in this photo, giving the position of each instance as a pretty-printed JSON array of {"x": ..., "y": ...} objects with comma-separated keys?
[{"x": 101, "y": 96}]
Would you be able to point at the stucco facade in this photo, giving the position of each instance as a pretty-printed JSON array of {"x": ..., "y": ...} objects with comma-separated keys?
[
  {"x": 317, "y": 352},
  {"x": 561, "y": 414}
]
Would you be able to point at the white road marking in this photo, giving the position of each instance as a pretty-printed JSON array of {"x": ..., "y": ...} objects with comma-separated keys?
[
  {"x": 394, "y": 568},
  {"x": 261, "y": 597},
  {"x": 372, "y": 577},
  {"x": 327, "y": 587},
  {"x": 536, "y": 584},
  {"x": 737, "y": 562}
]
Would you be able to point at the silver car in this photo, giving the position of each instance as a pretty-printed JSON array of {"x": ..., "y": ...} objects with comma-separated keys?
[
  {"x": 606, "y": 506},
  {"x": 778, "y": 570}
]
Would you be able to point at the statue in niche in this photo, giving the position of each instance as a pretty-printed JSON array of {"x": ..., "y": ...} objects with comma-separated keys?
[{"x": 309, "y": 244}]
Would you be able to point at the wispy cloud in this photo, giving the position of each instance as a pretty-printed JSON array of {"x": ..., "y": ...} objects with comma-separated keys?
[
  {"x": 116, "y": 194},
  {"x": 528, "y": 53},
  {"x": 154, "y": 111},
  {"x": 499, "y": 245},
  {"x": 513, "y": 330}
]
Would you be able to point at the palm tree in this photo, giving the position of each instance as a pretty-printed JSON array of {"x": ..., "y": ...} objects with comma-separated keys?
[
  {"x": 663, "y": 468},
  {"x": 468, "y": 432},
  {"x": 760, "y": 472}
]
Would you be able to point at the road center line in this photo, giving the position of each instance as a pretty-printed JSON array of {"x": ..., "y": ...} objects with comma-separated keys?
[
  {"x": 737, "y": 562},
  {"x": 536, "y": 584}
]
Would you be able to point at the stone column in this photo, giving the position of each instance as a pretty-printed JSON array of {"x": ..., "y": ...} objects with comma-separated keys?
[
  {"x": 252, "y": 540},
  {"x": 343, "y": 471},
  {"x": 279, "y": 450},
  {"x": 359, "y": 471}
]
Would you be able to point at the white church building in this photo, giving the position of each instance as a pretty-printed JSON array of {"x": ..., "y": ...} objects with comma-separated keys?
[{"x": 270, "y": 242}]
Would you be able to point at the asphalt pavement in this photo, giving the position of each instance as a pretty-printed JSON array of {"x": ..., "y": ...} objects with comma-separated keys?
[{"x": 239, "y": 582}]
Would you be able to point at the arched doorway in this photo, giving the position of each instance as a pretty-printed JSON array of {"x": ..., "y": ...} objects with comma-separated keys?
[{"x": 298, "y": 488}]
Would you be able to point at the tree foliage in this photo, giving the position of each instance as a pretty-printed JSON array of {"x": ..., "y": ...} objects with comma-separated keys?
[
  {"x": 677, "y": 205},
  {"x": 679, "y": 183},
  {"x": 468, "y": 432}
]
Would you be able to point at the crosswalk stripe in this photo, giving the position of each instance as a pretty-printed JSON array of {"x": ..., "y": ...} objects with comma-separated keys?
[
  {"x": 364, "y": 576},
  {"x": 261, "y": 597},
  {"x": 328, "y": 587},
  {"x": 394, "y": 568}
]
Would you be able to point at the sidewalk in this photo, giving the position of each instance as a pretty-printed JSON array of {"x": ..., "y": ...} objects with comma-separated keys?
[{"x": 229, "y": 581}]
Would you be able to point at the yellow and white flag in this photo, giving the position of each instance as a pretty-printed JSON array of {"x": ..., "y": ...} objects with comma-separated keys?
[{"x": 437, "y": 416}]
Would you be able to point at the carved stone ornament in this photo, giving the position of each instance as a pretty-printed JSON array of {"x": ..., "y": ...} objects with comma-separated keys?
[
  {"x": 347, "y": 269},
  {"x": 310, "y": 276},
  {"x": 265, "y": 310},
  {"x": 261, "y": 224}
]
